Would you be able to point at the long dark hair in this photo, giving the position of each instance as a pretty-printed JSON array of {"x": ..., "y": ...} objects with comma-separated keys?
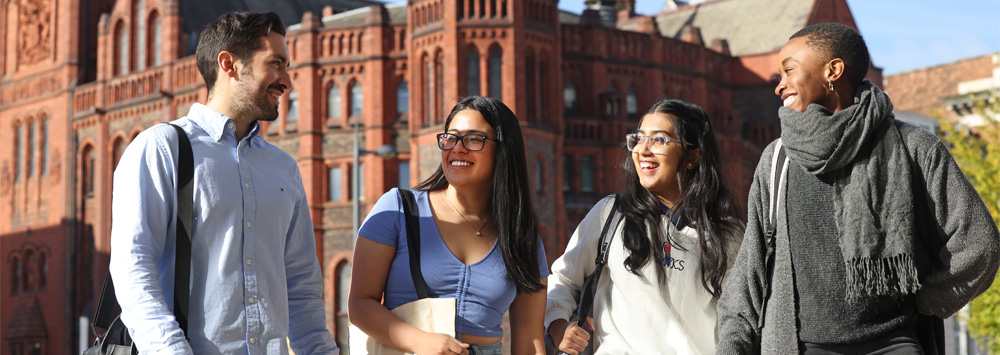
[
  {"x": 705, "y": 203},
  {"x": 510, "y": 209}
]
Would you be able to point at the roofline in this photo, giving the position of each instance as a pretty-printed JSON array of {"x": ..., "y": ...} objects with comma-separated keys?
[{"x": 942, "y": 64}]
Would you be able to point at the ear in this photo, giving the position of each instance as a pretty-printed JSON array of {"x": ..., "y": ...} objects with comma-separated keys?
[
  {"x": 227, "y": 63},
  {"x": 834, "y": 69},
  {"x": 691, "y": 159}
]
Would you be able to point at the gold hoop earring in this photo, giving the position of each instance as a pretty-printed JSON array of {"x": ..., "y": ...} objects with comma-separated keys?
[{"x": 829, "y": 84}]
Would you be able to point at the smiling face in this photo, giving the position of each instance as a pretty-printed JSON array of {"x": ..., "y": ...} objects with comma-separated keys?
[
  {"x": 465, "y": 168},
  {"x": 803, "y": 77},
  {"x": 263, "y": 79},
  {"x": 658, "y": 172}
]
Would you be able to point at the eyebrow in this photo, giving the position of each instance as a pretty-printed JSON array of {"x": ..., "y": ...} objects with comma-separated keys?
[
  {"x": 654, "y": 132},
  {"x": 453, "y": 130},
  {"x": 281, "y": 58},
  {"x": 789, "y": 59}
]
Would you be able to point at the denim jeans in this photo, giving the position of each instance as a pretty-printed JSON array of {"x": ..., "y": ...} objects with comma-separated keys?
[{"x": 492, "y": 349}]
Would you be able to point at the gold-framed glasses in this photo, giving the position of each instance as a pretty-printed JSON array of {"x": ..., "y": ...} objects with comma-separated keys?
[
  {"x": 657, "y": 144},
  {"x": 472, "y": 142}
]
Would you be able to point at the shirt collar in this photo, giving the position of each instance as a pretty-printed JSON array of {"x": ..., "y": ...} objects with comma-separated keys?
[
  {"x": 216, "y": 124},
  {"x": 675, "y": 218}
]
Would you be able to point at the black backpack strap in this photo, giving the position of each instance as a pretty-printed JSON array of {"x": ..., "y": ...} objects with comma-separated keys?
[
  {"x": 185, "y": 216},
  {"x": 410, "y": 211},
  {"x": 105, "y": 313},
  {"x": 779, "y": 169},
  {"x": 590, "y": 287}
]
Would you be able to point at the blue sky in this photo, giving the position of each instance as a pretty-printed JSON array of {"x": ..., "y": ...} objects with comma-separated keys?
[{"x": 904, "y": 35}]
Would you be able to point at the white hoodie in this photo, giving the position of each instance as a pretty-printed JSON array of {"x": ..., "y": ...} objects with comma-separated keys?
[{"x": 633, "y": 314}]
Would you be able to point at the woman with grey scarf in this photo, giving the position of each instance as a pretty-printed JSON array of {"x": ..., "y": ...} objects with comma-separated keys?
[{"x": 878, "y": 235}]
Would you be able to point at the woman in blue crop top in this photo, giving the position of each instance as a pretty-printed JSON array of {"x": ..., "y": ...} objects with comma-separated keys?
[{"x": 479, "y": 243}]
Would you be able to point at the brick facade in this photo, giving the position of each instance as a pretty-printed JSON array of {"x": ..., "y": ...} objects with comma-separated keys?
[{"x": 78, "y": 84}]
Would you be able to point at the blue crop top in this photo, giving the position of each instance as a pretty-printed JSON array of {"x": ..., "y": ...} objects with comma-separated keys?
[{"x": 482, "y": 290}]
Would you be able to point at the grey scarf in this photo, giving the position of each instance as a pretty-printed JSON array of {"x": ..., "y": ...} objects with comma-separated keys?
[{"x": 864, "y": 151}]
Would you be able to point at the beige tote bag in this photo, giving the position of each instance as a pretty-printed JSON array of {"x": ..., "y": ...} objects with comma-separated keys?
[{"x": 434, "y": 315}]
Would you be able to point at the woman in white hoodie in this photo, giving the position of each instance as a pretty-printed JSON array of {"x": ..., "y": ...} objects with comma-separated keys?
[{"x": 679, "y": 232}]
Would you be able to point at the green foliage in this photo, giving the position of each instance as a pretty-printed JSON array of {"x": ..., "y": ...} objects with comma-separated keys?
[{"x": 979, "y": 157}]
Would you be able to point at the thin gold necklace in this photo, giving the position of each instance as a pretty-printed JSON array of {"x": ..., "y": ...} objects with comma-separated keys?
[{"x": 478, "y": 231}]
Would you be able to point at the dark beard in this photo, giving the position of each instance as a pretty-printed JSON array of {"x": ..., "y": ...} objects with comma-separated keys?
[{"x": 253, "y": 104}]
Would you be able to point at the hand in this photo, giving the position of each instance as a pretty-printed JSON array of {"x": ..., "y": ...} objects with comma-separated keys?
[
  {"x": 569, "y": 337},
  {"x": 440, "y": 344}
]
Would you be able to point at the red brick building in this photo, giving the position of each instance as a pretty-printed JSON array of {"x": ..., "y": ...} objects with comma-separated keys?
[
  {"x": 948, "y": 90},
  {"x": 79, "y": 79}
]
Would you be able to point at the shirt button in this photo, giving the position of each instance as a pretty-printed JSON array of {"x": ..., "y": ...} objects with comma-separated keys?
[
  {"x": 248, "y": 224},
  {"x": 230, "y": 125},
  {"x": 248, "y": 261},
  {"x": 252, "y": 340},
  {"x": 250, "y": 299},
  {"x": 246, "y": 185}
]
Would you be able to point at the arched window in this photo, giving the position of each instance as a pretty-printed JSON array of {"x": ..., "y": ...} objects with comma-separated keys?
[
  {"x": 156, "y": 39},
  {"x": 357, "y": 97},
  {"x": 29, "y": 158},
  {"x": 543, "y": 84},
  {"x": 293, "y": 107},
  {"x": 532, "y": 83},
  {"x": 428, "y": 86},
  {"x": 140, "y": 34},
  {"x": 539, "y": 176},
  {"x": 121, "y": 49},
  {"x": 18, "y": 159},
  {"x": 439, "y": 82},
  {"x": 333, "y": 101},
  {"x": 335, "y": 184},
  {"x": 472, "y": 71},
  {"x": 118, "y": 148},
  {"x": 611, "y": 102},
  {"x": 343, "y": 323},
  {"x": 569, "y": 97},
  {"x": 402, "y": 98},
  {"x": 43, "y": 271},
  {"x": 27, "y": 277},
  {"x": 496, "y": 71},
  {"x": 631, "y": 103},
  {"x": 15, "y": 276},
  {"x": 45, "y": 144},
  {"x": 88, "y": 171}
]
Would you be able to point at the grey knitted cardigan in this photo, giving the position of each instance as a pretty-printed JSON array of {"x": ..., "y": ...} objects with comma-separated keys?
[{"x": 958, "y": 251}]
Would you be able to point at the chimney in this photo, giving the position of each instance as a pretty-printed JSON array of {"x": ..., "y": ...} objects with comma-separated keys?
[
  {"x": 625, "y": 9},
  {"x": 590, "y": 17},
  {"x": 378, "y": 15},
  {"x": 606, "y": 9},
  {"x": 692, "y": 34},
  {"x": 328, "y": 11},
  {"x": 309, "y": 21},
  {"x": 720, "y": 45}
]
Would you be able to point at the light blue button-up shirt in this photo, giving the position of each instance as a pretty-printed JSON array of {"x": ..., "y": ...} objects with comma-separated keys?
[{"x": 255, "y": 278}]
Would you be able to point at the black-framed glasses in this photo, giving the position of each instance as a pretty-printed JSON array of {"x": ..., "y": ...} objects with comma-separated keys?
[
  {"x": 657, "y": 144},
  {"x": 472, "y": 142}
]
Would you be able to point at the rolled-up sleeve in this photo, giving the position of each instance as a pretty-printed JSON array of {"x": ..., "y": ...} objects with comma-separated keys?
[{"x": 142, "y": 241}]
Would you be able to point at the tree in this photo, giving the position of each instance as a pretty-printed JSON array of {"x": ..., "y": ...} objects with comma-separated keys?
[{"x": 978, "y": 154}]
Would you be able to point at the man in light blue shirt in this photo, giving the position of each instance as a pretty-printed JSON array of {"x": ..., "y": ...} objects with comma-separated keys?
[{"x": 255, "y": 277}]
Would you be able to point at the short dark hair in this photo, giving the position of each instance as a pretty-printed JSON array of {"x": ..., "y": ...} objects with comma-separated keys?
[
  {"x": 839, "y": 41},
  {"x": 511, "y": 211},
  {"x": 239, "y": 33}
]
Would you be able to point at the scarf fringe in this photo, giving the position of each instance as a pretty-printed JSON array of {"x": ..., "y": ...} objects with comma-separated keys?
[{"x": 892, "y": 276}]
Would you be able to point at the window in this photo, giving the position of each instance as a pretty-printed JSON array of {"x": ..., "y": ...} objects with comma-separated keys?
[
  {"x": 157, "y": 40},
  {"x": 532, "y": 83},
  {"x": 140, "y": 35},
  {"x": 333, "y": 101},
  {"x": 121, "y": 49},
  {"x": 587, "y": 173},
  {"x": 361, "y": 182},
  {"x": 567, "y": 171},
  {"x": 439, "y": 81},
  {"x": 543, "y": 86},
  {"x": 17, "y": 151},
  {"x": 496, "y": 61},
  {"x": 88, "y": 171},
  {"x": 29, "y": 159},
  {"x": 539, "y": 178},
  {"x": 336, "y": 184},
  {"x": 569, "y": 97},
  {"x": 27, "y": 277},
  {"x": 404, "y": 175},
  {"x": 45, "y": 146},
  {"x": 15, "y": 276},
  {"x": 43, "y": 271},
  {"x": 631, "y": 103},
  {"x": 343, "y": 323},
  {"x": 356, "y": 99},
  {"x": 293, "y": 107},
  {"x": 472, "y": 71},
  {"x": 118, "y": 148},
  {"x": 429, "y": 102},
  {"x": 402, "y": 98}
]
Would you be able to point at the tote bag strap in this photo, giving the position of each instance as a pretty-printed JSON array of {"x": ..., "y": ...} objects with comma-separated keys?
[
  {"x": 410, "y": 211},
  {"x": 590, "y": 287}
]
